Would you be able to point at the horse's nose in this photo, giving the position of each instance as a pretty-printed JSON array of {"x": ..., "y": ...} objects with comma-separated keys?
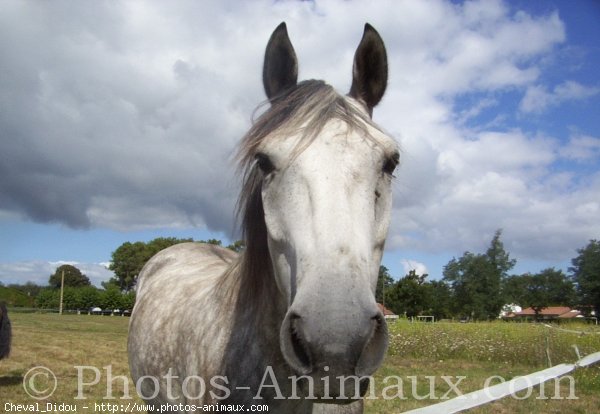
[{"x": 345, "y": 344}]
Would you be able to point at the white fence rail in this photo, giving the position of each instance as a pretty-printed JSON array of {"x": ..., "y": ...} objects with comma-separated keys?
[
  {"x": 504, "y": 389},
  {"x": 571, "y": 331}
]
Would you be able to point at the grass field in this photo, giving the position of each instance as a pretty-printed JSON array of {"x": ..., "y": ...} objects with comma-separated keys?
[{"x": 427, "y": 357}]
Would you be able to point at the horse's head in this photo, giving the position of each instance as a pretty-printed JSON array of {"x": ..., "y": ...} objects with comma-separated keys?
[{"x": 320, "y": 172}]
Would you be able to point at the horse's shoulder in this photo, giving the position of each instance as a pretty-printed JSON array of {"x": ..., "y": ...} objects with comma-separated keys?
[
  {"x": 187, "y": 260},
  {"x": 192, "y": 252},
  {"x": 196, "y": 249}
]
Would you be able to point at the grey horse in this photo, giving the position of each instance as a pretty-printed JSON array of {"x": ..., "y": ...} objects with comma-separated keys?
[{"x": 291, "y": 322}]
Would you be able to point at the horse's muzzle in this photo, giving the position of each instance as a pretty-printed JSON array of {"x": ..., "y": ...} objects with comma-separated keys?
[{"x": 333, "y": 352}]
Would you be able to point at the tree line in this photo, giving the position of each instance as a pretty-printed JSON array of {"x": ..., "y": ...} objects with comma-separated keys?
[
  {"x": 116, "y": 293},
  {"x": 476, "y": 286},
  {"x": 78, "y": 292}
]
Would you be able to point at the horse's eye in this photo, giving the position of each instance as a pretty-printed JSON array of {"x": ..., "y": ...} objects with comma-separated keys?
[
  {"x": 264, "y": 163},
  {"x": 391, "y": 163}
]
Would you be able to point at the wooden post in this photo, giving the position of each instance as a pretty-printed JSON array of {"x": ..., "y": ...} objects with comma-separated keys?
[{"x": 62, "y": 288}]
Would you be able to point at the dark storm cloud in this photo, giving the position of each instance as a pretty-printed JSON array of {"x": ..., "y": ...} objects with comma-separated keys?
[{"x": 98, "y": 123}]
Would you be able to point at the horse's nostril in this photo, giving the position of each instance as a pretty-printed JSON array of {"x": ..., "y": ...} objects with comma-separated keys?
[
  {"x": 299, "y": 345},
  {"x": 374, "y": 350},
  {"x": 379, "y": 320}
]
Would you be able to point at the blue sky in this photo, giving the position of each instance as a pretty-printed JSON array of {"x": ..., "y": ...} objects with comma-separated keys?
[{"x": 118, "y": 122}]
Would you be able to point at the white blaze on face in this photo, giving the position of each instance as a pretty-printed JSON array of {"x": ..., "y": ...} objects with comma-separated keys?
[{"x": 327, "y": 209}]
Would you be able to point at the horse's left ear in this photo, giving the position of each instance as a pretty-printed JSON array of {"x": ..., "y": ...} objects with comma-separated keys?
[
  {"x": 280, "y": 70},
  {"x": 370, "y": 69}
]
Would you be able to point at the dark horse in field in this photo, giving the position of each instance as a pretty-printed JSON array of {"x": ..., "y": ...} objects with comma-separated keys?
[{"x": 5, "y": 331}]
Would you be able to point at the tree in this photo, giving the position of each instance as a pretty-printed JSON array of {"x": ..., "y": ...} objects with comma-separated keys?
[
  {"x": 476, "y": 280},
  {"x": 47, "y": 299},
  {"x": 237, "y": 246},
  {"x": 384, "y": 282},
  {"x": 73, "y": 277},
  {"x": 112, "y": 282},
  {"x": 550, "y": 287},
  {"x": 87, "y": 297},
  {"x": 498, "y": 257},
  {"x": 440, "y": 299},
  {"x": 128, "y": 300},
  {"x": 216, "y": 242},
  {"x": 586, "y": 274},
  {"x": 514, "y": 288},
  {"x": 127, "y": 262},
  {"x": 30, "y": 289},
  {"x": 472, "y": 295},
  {"x": 111, "y": 298},
  {"x": 409, "y": 295}
]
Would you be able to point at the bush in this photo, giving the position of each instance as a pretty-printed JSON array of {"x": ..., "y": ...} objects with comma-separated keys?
[{"x": 85, "y": 298}]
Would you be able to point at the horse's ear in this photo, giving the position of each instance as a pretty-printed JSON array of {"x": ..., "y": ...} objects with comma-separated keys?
[
  {"x": 370, "y": 69},
  {"x": 280, "y": 70}
]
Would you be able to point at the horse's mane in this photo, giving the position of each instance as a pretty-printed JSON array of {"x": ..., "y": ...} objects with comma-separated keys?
[{"x": 303, "y": 111}]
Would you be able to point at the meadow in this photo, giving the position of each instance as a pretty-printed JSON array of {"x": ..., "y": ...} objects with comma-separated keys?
[{"x": 425, "y": 364}]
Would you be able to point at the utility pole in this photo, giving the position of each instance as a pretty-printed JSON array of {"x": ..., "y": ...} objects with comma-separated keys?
[{"x": 62, "y": 288}]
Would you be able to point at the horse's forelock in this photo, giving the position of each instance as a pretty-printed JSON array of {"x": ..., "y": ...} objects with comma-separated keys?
[{"x": 303, "y": 110}]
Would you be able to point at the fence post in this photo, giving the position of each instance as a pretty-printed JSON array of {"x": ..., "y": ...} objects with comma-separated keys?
[
  {"x": 548, "y": 350},
  {"x": 62, "y": 288}
]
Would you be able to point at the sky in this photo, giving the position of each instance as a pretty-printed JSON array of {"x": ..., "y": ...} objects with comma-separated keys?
[{"x": 119, "y": 121}]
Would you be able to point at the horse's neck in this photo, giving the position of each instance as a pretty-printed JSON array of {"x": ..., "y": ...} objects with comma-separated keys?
[
  {"x": 253, "y": 356},
  {"x": 257, "y": 311}
]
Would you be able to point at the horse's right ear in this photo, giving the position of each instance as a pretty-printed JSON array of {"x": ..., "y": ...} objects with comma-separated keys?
[
  {"x": 280, "y": 70},
  {"x": 370, "y": 69}
]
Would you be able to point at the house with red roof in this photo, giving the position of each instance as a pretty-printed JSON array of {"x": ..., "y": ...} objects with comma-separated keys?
[
  {"x": 551, "y": 313},
  {"x": 387, "y": 314}
]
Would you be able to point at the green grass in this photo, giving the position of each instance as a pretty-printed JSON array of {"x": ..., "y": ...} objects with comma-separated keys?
[
  {"x": 419, "y": 353},
  {"x": 61, "y": 343},
  {"x": 477, "y": 351},
  {"x": 499, "y": 342}
]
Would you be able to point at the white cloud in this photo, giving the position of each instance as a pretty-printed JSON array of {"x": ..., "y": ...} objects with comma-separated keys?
[
  {"x": 467, "y": 114},
  {"x": 39, "y": 272},
  {"x": 126, "y": 116},
  {"x": 537, "y": 97},
  {"x": 408, "y": 265},
  {"x": 583, "y": 148}
]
